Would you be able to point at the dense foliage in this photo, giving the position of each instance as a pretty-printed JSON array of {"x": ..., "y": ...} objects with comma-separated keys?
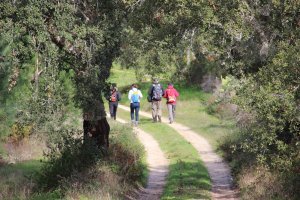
[
  {"x": 255, "y": 41},
  {"x": 70, "y": 157},
  {"x": 54, "y": 54}
]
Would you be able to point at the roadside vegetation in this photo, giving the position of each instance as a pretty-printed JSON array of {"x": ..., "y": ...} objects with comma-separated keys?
[
  {"x": 195, "y": 108},
  {"x": 217, "y": 118},
  {"x": 188, "y": 177},
  {"x": 76, "y": 171},
  {"x": 56, "y": 59}
]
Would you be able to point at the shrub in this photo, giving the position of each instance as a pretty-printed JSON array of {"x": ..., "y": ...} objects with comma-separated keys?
[
  {"x": 127, "y": 153},
  {"x": 260, "y": 182},
  {"x": 81, "y": 170},
  {"x": 67, "y": 156}
]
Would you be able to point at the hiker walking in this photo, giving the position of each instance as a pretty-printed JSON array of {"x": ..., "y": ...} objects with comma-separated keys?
[
  {"x": 113, "y": 98},
  {"x": 171, "y": 94},
  {"x": 156, "y": 93},
  {"x": 134, "y": 96}
]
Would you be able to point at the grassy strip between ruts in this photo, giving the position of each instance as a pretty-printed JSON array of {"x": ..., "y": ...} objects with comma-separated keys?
[
  {"x": 188, "y": 178},
  {"x": 190, "y": 111}
]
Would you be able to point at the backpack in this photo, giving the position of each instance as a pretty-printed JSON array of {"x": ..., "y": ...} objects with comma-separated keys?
[
  {"x": 113, "y": 97},
  {"x": 135, "y": 97},
  {"x": 157, "y": 92},
  {"x": 171, "y": 97}
]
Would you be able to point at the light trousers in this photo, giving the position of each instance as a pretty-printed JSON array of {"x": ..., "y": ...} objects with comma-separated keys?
[
  {"x": 156, "y": 110},
  {"x": 171, "y": 110}
]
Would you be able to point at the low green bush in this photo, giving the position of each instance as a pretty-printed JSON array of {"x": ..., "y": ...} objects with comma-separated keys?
[
  {"x": 53, "y": 195},
  {"x": 127, "y": 154},
  {"x": 65, "y": 157},
  {"x": 80, "y": 168}
]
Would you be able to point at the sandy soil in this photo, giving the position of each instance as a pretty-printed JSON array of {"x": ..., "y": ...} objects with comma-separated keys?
[
  {"x": 157, "y": 165},
  {"x": 218, "y": 170}
]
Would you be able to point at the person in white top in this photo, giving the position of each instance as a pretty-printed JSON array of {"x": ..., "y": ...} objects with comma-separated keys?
[{"x": 134, "y": 96}]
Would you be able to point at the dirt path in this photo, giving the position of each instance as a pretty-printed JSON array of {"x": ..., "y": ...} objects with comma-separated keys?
[
  {"x": 218, "y": 170},
  {"x": 157, "y": 165}
]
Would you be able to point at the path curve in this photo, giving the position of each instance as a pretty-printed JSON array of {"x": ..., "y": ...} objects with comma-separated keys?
[
  {"x": 219, "y": 171},
  {"x": 157, "y": 165}
]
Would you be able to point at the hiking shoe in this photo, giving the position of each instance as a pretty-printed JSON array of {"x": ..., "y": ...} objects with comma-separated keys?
[
  {"x": 159, "y": 119},
  {"x": 155, "y": 119}
]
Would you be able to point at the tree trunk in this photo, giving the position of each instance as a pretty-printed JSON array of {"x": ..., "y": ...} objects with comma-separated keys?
[{"x": 96, "y": 127}]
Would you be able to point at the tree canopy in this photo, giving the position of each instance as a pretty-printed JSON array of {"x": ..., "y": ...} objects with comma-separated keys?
[
  {"x": 255, "y": 41},
  {"x": 55, "y": 53}
]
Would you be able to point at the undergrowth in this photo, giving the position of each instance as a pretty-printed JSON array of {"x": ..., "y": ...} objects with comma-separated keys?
[
  {"x": 76, "y": 170},
  {"x": 261, "y": 180}
]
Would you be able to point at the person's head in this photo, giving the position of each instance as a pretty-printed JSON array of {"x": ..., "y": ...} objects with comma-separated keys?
[
  {"x": 170, "y": 84},
  {"x": 134, "y": 85},
  {"x": 155, "y": 81},
  {"x": 113, "y": 86}
]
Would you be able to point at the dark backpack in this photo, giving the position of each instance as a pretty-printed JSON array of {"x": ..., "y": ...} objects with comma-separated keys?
[
  {"x": 113, "y": 97},
  {"x": 157, "y": 92}
]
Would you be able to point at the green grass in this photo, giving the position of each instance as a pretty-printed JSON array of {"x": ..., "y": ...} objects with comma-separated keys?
[
  {"x": 108, "y": 178},
  {"x": 123, "y": 77},
  {"x": 53, "y": 195},
  {"x": 190, "y": 111},
  {"x": 2, "y": 152},
  {"x": 27, "y": 167},
  {"x": 17, "y": 180},
  {"x": 186, "y": 170},
  {"x": 193, "y": 115},
  {"x": 188, "y": 178},
  {"x": 122, "y": 134}
]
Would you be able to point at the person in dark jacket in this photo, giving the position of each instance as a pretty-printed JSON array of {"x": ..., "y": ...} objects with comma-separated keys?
[
  {"x": 113, "y": 98},
  {"x": 156, "y": 93}
]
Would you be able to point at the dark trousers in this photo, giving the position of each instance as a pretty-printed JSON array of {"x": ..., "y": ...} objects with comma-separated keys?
[
  {"x": 134, "y": 111},
  {"x": 113, "y": 106}
]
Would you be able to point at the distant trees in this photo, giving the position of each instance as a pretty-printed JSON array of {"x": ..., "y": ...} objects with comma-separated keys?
[
  {"x": 55, "y": 52},
  {"x": 258, "y": 42},
  {"x": 255, "y": 41}
]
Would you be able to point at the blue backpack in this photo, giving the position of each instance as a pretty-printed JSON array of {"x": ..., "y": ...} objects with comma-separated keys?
[{"x": 135, "y": 97}]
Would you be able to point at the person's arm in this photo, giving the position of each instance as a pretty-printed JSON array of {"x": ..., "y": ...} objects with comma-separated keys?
[
  {"x": 129, "y": 94},
  {"x": 107, "y": 96},
  {"x": 176, "y": 93},
  {"x": 165, "y": 93},
  {"x": 140, "y": 94},
  {"x": 150, "y": 90}
]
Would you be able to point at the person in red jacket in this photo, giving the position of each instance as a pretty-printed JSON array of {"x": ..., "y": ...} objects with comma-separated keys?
[{"x": 171, "y": 95}]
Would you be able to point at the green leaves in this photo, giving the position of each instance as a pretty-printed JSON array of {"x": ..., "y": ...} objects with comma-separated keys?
[
  {"x": 256, "y": 42},
  {"x": 58, "y": 53}
]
